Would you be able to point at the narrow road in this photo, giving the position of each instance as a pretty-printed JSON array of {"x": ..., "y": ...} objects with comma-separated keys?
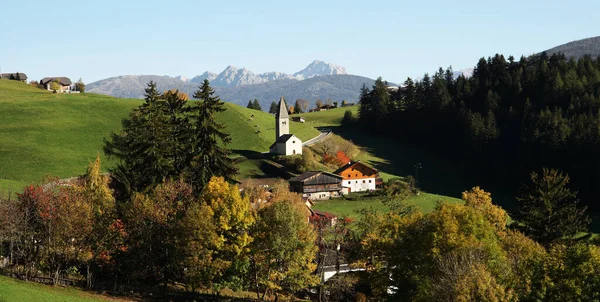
[{"x": 320, "y": 137}]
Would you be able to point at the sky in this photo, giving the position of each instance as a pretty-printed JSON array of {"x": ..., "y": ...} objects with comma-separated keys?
[{"x": 94, "y": 40}]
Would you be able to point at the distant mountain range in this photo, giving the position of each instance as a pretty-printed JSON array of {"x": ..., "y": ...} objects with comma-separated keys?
[
  {"x": 319, "y": 80},
  {"x": 579, "y": 48}
]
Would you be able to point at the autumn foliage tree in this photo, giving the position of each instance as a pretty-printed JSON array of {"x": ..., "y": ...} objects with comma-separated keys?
[
  {"x": 283, "y": 251},
  {"x": 218, "y": 237}
]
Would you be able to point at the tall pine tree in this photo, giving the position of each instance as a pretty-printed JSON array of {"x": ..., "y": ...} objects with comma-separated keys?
[
  {"x": 548, "y": 210},
  {"x": 273, "y": 108},
  {"x": 210, "y": 153},
  {"x": 145, "y": 148},
  {"x": 256, "y": 105}
]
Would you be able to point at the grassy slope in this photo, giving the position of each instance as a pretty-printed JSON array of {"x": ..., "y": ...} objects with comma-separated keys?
[
  {"x": 393, "y": 159},
  {"x": 43, "y": 133},
  {"x": 244, "y": 123},
  {"x": 16, "y": 290}
]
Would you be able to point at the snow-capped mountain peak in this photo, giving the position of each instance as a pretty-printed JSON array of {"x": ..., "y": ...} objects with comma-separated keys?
[
  {"x": 319, "y": 68},
  {"x": 232, "y": 76}
]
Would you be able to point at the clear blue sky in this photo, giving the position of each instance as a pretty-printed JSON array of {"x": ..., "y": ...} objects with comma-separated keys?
[{"x": 392, "y": 39}]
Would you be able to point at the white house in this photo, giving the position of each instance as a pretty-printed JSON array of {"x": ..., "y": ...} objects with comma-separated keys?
[
  {"x": 285, "y": 143},
  {"x": 64, "y": 83},
  {"x": 358, "y": 177}
]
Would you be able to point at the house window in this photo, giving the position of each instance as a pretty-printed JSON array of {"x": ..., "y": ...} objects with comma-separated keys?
[
  {"x": 363, "y": 181},
  {"x": 293, "y": 142},
  {"x": 369, "y": 181},
  {"x": 283, "y": 122},
  {"x": 294, "y": 151},
  {"x": 355, "y": 175},
  {"x": 356, "y": 182},
  {"x": 349, "y": 182}
]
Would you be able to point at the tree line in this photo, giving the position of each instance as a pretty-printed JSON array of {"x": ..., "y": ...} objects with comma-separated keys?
[
  {"x": 510, "y": 117},
  {"x": 168, "y": 237}
]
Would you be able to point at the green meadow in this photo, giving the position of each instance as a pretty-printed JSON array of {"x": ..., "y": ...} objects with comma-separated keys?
[
  {"x": 17, "y": 290},
  {"x": 42, "y": 133}
]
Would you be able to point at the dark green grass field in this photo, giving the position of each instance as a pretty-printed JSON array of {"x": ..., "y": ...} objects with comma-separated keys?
[
  {"x": 43, "y": 133},
  {"x": 20, "y": 291}
]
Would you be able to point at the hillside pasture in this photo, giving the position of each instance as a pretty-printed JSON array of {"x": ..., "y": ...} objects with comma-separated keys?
[
  {"x": 13, "y": 290},
  {"x": 42, "y": 133}
]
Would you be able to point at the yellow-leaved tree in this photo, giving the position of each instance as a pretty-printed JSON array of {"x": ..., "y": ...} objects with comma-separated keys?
[
  {"x": 283, "y": 251},
  {"x": 217, "y": 231},
  {"x": 482, "y": 201}
]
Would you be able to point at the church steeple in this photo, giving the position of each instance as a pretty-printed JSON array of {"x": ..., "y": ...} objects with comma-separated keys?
[{"x": 282, "y": 120}]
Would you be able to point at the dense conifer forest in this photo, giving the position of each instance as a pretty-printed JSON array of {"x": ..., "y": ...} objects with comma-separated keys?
[{"x": 510, "y": 118}]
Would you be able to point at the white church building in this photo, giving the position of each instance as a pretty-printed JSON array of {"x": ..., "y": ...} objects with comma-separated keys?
[{"x": 285, "y": 143}]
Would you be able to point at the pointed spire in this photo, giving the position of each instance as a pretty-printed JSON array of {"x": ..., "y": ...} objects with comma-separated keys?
[{"x": 282, "y": 112}]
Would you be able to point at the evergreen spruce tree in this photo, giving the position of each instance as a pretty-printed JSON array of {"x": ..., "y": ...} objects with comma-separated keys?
[
  {"x": 365, "y": 108},
  {"x": 273, "y": 108},
  {"x": 145, "y": 147},
  {"x": 209, "y": 151},
  {"x": 256, "y": 105},
  {"x": 154, "y": 143},
  {"x": 18, "y": 76},
  {"x": 548, "y": 210},
  {"x": 250, "y": 105}
]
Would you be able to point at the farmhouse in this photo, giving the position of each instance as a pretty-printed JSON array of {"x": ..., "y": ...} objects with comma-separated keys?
[
  {"x": 285, "y": 143},
  {"x": 358, "y": 177},
  {"x": 317, "y": 185},
  {"x": 64, "y": 83},
  {"x": 298, "y": 119},
  {"x": 14, "y": 76}
]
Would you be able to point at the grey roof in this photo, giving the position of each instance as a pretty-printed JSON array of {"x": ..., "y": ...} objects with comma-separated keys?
[
  {"x": 7, "y": 75},
  {"x": 307, "y": 175},
  {"x": 284, "y": 138},
  {"x": 62, "y": 80},
  {"x": 282, "y": 112}
]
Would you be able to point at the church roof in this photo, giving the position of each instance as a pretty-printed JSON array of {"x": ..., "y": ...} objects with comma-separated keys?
[
  {"x": 284, "y": 138},
  {"x": 282, "y": 112}
]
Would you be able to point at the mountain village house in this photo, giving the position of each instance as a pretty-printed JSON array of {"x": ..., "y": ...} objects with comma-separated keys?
[
  {"x": 64, "y": 83},
  {"x": 358, "y": 177},
  {"x": 285, "y": 143},
  {"x": 14, "y": 76},
  {"x": 317, "y": 185}
]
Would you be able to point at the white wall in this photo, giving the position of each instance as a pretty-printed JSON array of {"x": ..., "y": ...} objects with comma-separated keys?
[
  {"x": 293, "y": 146},
  {"x": 359, "y": 185}
]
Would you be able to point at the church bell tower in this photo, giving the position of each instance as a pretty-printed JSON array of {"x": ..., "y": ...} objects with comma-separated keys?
[{"x": 282, "y": 120}]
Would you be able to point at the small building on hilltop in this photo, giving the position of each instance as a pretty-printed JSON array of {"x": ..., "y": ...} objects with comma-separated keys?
[
  {"x": 63, "y": 84},
  {"x": 317, "y": 185},
  {"x": 298, "y": 119},
  {"x": 358, "y": 177},
  {"x": 285, "y": 143},
  {"x": 18, "y": 76}
]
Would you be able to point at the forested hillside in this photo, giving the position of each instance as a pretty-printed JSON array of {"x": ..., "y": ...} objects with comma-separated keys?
[
  {"x": 510, "y": 118},
  {"x": 577, "y": 49}
]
